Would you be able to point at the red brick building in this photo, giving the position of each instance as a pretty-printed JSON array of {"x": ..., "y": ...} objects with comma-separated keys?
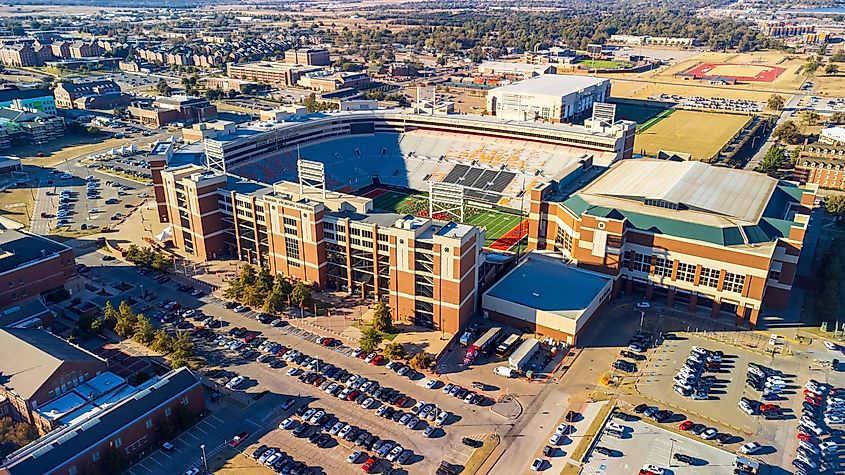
[
  {"x": 31, "y": 266},
  {"x": 687, "y": 232},
  {"x": 822, "y": 165}
]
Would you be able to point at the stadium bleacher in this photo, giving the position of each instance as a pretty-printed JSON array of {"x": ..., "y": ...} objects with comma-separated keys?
[{"x": 491, "y": 171}]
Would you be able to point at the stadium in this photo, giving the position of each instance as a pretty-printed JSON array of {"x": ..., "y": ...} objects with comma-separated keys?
[{"x": 394, "y": 157}]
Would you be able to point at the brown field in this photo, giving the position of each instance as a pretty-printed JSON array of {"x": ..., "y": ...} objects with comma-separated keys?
[
  {"x": 642, "y": 89},
  {"x": 701, "y": 134},
  {"x": 829, "y": 85},
  {"x": 789, "y": 80}
]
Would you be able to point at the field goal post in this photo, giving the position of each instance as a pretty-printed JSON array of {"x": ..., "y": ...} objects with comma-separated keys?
[
  {"x": 446, "y": 198},
  {"x": 311, "y": 175}
]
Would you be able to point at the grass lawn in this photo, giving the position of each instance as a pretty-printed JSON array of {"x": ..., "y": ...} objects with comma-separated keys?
[
  {"x": 604, "y": 64},
  {"x": 67, "y": 147},
  {"x": 497, "y": 223},
  {"x": 640, "y": 111},
  {"x": 17, "y": 204},
  {"x": 701, "y": 134},
  {"x": 480, "y": 455}
]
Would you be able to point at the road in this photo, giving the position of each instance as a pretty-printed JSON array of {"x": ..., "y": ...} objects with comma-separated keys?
[{"x": 788, "y": 109}]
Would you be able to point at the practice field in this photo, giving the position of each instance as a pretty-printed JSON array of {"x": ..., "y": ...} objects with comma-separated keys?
[
  {"x": 502, "y": 227},
  {"x": 604, "y": 64},
  {"x": 740, "y": 72},
  {"x": 641, "y": 112},
  {"x": 748, "y": 64},
  {"x": 643, "y": 89},
  {"x": 701, "y": 134}
]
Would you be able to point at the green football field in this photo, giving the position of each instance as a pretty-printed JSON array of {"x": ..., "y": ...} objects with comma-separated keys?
[{"x": 497, "y": 223}]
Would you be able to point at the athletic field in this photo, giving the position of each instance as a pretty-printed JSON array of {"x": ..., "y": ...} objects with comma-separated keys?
[
  {"x": 701, "y": 134},
  {"x": 500, "y": 226}
]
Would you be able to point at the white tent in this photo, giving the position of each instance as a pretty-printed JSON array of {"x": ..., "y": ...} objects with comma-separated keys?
[{"x": 165, "y": 234}]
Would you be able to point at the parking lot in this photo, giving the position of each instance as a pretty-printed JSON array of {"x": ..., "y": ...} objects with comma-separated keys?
[
  {"x": 81, "y": 202},
  {"x": 643, "y": 443}
]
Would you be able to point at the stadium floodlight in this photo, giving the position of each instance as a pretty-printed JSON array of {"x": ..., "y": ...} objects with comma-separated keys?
[
  {"x": 446, "y": 198},
  {"x": 311, "y": 175}
]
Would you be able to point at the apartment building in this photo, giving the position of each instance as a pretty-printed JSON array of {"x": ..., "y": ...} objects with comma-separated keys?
[
  {"x": 695, "y": 235},
  {"x": 822, "y": 165},
  {"x": 28, "y": 100},
  {"x": 175, "y": 109},
  {"x": 95, "y": 94},
  {"x": 428, "y": 270},
  {"x": 21, "y": 55},
  {"x": 269, "y": 72},
  {"x": 308, "y": 56},
  {"x": 31, "y": 266}
]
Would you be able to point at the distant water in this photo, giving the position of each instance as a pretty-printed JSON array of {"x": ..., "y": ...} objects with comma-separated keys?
[{"x": 815, "y": 10}]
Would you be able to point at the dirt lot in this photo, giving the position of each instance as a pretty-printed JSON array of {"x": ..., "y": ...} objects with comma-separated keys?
[
  {"x": 829, "y": 85},
  {"x": 17, "y": 204},
  {"x": 702, "y": 134}
]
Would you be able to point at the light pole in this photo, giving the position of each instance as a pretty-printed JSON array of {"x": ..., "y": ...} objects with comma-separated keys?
[
  {"x": 671, "y": 451},
  {"x": 204, "y": 461},
  {"x": 642, "y": 317}
]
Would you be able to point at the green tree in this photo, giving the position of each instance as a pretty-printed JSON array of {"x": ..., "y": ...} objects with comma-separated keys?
[
  {"x": 809, "y": 117},
  {"x": 91, "y": 130},
  {"x": 370, "y": 339},
  {"x": 163, "y": 88},
  {"x": 835, "y": 205},
  {"x": 14, "y": 435},
  {"x": 776, "y": 102},
  {"x": 837, "y": 117},
  {"x": 787, "y": 132},
  {"x": 109, "y": 313},
  {"x": 811, "y": 66},
  {"x": 421, "y": 360},
  {"x": 162, "y": 342},
  {"x": 831, "y": 69},
  {"x": 301, "y": 294},
  {"x": 773, "y": 159},
  {"x": 382, "y": 320},
  {"x": 394, "y": 351},
  {"x": 838, "y": 56},
  {"x": 144, "y": 332}
]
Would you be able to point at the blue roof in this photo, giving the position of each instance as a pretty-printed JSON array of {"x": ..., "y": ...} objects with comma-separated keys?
[{"x": 550, "y": 286}]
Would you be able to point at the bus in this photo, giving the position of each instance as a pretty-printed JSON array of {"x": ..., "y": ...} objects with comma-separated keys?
[{"x": 507, "y": 346}]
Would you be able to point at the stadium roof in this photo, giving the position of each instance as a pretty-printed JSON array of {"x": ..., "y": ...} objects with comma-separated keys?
[
  {"x": 693, "y": 200},
  {"x": 551, "y": 85}
]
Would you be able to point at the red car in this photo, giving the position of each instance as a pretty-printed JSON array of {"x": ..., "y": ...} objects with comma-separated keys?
[
  {"x": 686, "y": 425},
  {"x": 401, "y": 401},
  {"x": 353, "y": 395},
  {"x": 769, "y": 407},
  {"x": 377, "y": 360},
  {"x": 369, "y": 465},
  {"x": 815, "y": 402},
  {"x": 807, "y": 438},
  {"x": 249, "y": 337},
  {"x": 328, "y": 341},
  {"x": 238, "y": 439}
]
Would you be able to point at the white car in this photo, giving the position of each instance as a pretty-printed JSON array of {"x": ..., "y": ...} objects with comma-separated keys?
[
  {"x": 562, "y": 428},
  {"x": 266, "y": 455},
  {"x": 833, "y": 419},
  {"x": 431, "y": 383},
  {"x": 653, "y": 469},
  {"x": 293, "y": 371},
  {"x": 316, "y": 416},
  {"x": 354, "y": 457},
  {"x": 394, "y": 453},
  {"x": 536, "y": 465},
  {"x": 368, "y": 403},
  {"x": 556, "y": 439},
  {"x": 443, "y": 417},
  {"x": 830, "y": 345},
  {"x": 709, "y": 433},
  {"x": 750, "y": 448},
  {"x": 287, "y": 423},
  {"x": 235, "y": 382}
]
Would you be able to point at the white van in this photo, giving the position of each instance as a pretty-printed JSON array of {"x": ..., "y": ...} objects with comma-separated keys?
[{"x": 504, "y": 371}]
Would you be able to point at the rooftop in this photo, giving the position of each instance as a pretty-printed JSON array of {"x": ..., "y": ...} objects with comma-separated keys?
[
  {"x": 549, "y": 285},
  {"x": 55, "y": 448},
  {"x": 551, "y": 85},
  {"x": 12, "y": 94},
  {"x": 18, "y": 248},
  {"x": 29, "y": 357},
  {"x": 692, "y": 200},
  {"x": 23, "y": 314}
]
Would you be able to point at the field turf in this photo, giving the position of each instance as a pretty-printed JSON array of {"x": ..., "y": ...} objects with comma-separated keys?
[{"x": 497, "y": 223}]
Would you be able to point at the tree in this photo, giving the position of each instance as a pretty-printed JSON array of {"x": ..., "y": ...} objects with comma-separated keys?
[
  {"x": 837, "y": 117},
  {"x": 811, "y": 66},
  {"x": 91, "y": 130},
  {"x": 809, "y": 117},
  {"x": 394, "y": 351},
  {"x": 14, "y": 435},
  {"x": 109, "y": 313},
  {"x": 831, "y": 69},
  {"x": 163, "y": 88},
  {"x": 370, "y": 339},
  {"x": 773, "y": 159},
  {"x": 421, "y": 360},
  {"x": 787, "y": 132},
  {"x": 301, "y": 294},
  {"x": 776, "y": 102},
  {"x": 838, "y": 56},
  {"x": 835, "y": 205},
  {"x": 126, "y": 320},
  {"x": 382, "y": 320},
  {"x": 162, "y": 342},
  {"x": 144, "y": 332}
]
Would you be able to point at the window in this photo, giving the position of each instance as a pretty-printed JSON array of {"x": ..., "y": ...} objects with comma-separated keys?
[
  {"x": 563, "y": 239},
  {"x": 709, "y": 277},
  {"x": 95, "y": 456},
  {"x": 291, "y": 249},
  {"x": 734, "y": 282},
  {"x": 383, "y": 247},
  {"x": 149, "y": 423},
  {"x": 661, "y": 267},
  {"x": 328, "y": 235},
  {"x": 291, "y": 231},
  {"x": 383, "y": 237},
  {"x": 289, "y": 221},
  {"x": 118, "y": 442},
  {"x": 328, "y": 225},
  {"x": 642, "y": 262},
  {"x": 686, "y": 272},
  {"x": 774, "y": 274},
  {"x": 167, "y": 412}
]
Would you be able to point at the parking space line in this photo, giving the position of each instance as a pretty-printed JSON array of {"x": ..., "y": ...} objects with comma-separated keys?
[
  {"x": 201, "y": 430},
  {"x": 190, "y": 435}
]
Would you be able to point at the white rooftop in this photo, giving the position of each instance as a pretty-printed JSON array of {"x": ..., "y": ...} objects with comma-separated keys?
[
  {"x": 836, "y": 133},
  {"x": 735, "y": 195},
  {"x": 551, "y": 85}
]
